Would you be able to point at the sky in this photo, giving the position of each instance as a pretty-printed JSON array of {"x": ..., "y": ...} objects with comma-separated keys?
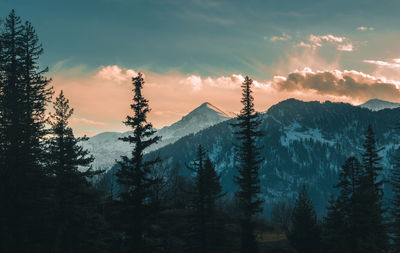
[{"x": 193, "y": 51}]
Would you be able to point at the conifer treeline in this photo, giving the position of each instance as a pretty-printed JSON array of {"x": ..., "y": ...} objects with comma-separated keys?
[{"x": 48, "y": 202}]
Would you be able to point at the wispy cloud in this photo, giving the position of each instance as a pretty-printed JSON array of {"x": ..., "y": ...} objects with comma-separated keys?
[
  {"x": 75, "y": 121},
  {"x": 365, "y": 28},
  {"x": 283, "y": 37},
  {"x": 395, "y": 63},
  {"x": 341, "y": 43}
]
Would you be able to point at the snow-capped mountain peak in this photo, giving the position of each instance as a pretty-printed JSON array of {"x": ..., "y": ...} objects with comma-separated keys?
[
  {"x": 106, "y": 147},
  {"x": 207, "y": 110},
  {"x": 202, "y": 117},
  {"x": 377, "y": 104}
]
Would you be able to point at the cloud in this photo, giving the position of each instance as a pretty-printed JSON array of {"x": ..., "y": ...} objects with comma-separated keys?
[
  {"x": 394, "y": 64},
  {"x": 365, "y": 28},
  {"x": 352, "y": 84},
  {"x": 115, "y": 73},
  {"x": 346, "y": 47},
  {"x": 341, "y": 43},
  {"x": 284, "y": 37},
  {"x": 194, "y": 81},
  {"x": 227, "y": 82},
  {"x": 85, "y": 122}
]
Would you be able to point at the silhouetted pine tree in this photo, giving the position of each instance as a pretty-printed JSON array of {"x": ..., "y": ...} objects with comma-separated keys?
[
  {"x": 304, "y": 233},
  {"x": 77, "y": 222},
  {"x": 335, "y": 229},
  {"x": 395, "y": 210},
  {"x": 370, "y": 212},
  {"x": 341, "y": 233},
  {"x": 134, "y": 176},
  {"x": 206, "y": 237},
  {"x": 248, "y": 157},
  {"x": 24, "y": 94}
]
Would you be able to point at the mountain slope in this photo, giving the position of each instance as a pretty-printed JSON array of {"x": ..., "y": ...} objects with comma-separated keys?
[
  {"x": 377, "y": 105},
  {"x": 304, "y": 143},
  {"x": 106, "y": 148}
]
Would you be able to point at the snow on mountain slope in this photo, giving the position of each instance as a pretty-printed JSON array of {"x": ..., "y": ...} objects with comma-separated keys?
[
  {"x": 377, "y": 105},
  {"x": 106, "y": 148},
  {"x": 303, "y": 143}
]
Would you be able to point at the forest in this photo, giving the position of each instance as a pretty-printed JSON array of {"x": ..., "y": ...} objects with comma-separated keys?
[{"x": 52, "y": 200}]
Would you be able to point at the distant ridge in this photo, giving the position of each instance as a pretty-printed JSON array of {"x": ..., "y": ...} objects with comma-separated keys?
[{"x": 378, "y": 104}]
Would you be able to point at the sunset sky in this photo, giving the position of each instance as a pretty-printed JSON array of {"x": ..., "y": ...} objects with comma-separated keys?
[{"x": 192, "y": 51}]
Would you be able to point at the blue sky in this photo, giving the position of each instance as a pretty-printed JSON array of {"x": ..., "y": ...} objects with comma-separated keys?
[
  {"x": 199, "y": 36},
  {"x": 212, "y": 39}
]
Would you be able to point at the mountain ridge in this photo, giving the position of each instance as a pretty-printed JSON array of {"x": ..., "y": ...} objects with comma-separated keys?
[
  {"x": 304, "y": 143},
  {"x": 378, "y": 104},
  {"x": 106, "y": 148}
]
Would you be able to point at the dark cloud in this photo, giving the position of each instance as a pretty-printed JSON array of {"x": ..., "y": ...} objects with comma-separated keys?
[{"x": 353, "y": 84}]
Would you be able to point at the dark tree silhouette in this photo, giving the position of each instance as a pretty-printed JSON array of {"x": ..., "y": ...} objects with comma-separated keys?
[
  {"x": 341, "y": 231},
  {"x": 207, "y": 190},
  {"x": 370, "y": 212},
  {"x": 24, "y": 94},
  {"x": 134, "y": 176},
  {"x": 77, "y": 225},
  {"x": 248, "y": 157},
  {"x": 304, "y": 233}
]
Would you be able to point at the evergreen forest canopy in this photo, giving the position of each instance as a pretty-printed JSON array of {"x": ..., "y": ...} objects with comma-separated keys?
[{"x": 52, "y": 201}]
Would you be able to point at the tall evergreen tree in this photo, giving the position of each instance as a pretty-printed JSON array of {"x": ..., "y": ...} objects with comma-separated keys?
[
  {"x": 304, "y": 233},
  {"x": 248, "y": 157},
  {"x": 24, "y": 94},
  {"x": 76, "y": 223},
  {"x": 370, "y": 212},
  {"x": 135, "y": 174},
  {"x": 335, "y": 229},
  {"x": 207, "y": 191},
  {"x": 341, "y": 231}
]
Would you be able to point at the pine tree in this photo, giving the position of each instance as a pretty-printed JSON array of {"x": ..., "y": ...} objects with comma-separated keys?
[
  {"x": 334, "y": 229},
  {"x": 135, "y": 174},
  {"x": 395, "y": 210},
  {"x": 304, "y": 233},
  {"x": 370, "y": 212},
  {"x": 341, "y": 233},
  {"x": 24, "y": 94},
  {"x": 207, "y": 191},
  {"x": 76, "y": 223},
  {"x": 248, "y": 158}
]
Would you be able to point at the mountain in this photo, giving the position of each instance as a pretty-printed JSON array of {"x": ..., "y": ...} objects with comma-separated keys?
[
  {"x": 304, "y": 143},
  {"x": 377, "y": 104},
  {"x": 106, "y": 148}
]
